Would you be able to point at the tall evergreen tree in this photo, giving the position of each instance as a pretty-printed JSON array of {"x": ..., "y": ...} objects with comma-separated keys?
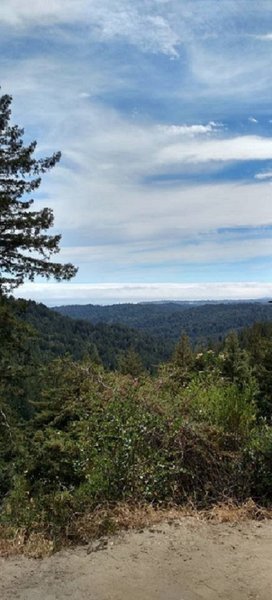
[
  {"x": 25, "y": 246},
  {"x": 183, "y": 357}
]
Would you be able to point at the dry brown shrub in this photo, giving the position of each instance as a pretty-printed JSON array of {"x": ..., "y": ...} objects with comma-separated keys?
[
  {"x": 38, "y": 546},
  {"x": 18, "y": 541},
  {"x": 231, "y": 512},
  {"x": 11, "y": 541}
]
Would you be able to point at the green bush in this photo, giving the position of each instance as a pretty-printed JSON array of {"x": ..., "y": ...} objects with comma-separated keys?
[
  {"x": 222, "y": 404},
  {"x": 258, "y": 461}
]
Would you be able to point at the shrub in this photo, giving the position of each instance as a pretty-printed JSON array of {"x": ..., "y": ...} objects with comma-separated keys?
[
  {"x": 258, "y": 461},
  {"x": 222, "y": 404}
]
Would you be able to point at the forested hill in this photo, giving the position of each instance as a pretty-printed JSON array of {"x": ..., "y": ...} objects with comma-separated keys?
[
  {"x": 107, "y": 333},
  {"x": 55, "y": 335},
  {"x": 170, "y": 319}
]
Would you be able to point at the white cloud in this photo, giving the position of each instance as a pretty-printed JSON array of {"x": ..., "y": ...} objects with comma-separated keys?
[
  {"x": 97, "y": 191},
  {"x": 174, "y": 248},
  {"x": 264, "y": 175},
  {"x": 253, "y": 120},
  {"x": 137, "y": 24},
  {"x": 209, "y": 34},
  {"x": 266, "y": 37},
  {"x": 23, "y": 12},
  {"x": 108, "y": 293},
  {"x": 125, "y": 229},
  {"x": 238, "y": 148},
  {"x": 140, "y": 212},
  {"x": 189, "y": 130},
  {"x": 147, "y": 31}
]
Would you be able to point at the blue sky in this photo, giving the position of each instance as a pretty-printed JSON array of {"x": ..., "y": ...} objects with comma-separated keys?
[{"x": 162, "y": 110}]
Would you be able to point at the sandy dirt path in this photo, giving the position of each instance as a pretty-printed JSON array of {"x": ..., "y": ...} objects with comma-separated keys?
[{"x": 186, "y": 560}]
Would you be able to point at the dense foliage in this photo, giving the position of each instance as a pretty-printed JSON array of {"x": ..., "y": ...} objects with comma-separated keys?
[{"x": 75, "y": 436}]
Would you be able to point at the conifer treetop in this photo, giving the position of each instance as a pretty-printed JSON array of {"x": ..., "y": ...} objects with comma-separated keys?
[{"x": 25, "y": 246}]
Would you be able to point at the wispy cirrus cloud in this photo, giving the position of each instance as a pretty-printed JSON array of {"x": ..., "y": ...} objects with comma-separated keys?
[{"x": 137, "y": 23}]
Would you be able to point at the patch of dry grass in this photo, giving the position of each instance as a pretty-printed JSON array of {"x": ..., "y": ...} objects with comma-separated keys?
[
  {"x": 231, "y": 512},
  {"x": 109, "y": 520},
  {"x": 12, "y": 541},
  {"x": 123, "y": 517},
  {"x": 17, "y": 541}
]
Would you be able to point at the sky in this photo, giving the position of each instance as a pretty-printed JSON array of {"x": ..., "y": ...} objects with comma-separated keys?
[{"x": 162, "y": 111}]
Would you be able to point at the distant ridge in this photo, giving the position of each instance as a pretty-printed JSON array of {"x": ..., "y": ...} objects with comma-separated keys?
[{"x": 167, "y": 320}]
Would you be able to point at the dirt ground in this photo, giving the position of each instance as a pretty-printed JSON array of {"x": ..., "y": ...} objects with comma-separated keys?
[{"x": 185, "y": 560}]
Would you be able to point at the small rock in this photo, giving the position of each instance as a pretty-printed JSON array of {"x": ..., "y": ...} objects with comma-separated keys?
[{"x": 97, "y": 545}]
